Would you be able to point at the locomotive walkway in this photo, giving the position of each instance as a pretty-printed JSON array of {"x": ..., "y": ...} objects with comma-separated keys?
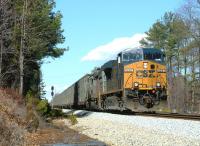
[{"x": 118, "y": 130}]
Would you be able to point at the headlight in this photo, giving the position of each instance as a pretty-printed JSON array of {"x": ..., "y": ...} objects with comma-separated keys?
[
  {"x": 136, "y": 84},
  {"x": 158, "y": 84},
  {"x": 145, "y": 64}
]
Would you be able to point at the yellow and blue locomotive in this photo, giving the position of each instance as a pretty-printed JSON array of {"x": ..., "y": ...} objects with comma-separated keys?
[{"x": 136, "y": 80}]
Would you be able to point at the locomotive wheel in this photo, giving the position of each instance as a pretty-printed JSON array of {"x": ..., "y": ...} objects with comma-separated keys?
[
  {"x": 156, "y": 100},
  {"x": 121, "y": 104},
  {"x": 146, "y": 100},
  {"x": 149, "y": 105},
  {"x": 141, "y": 100},
  {"x": 88, "y": 104},
  {"x": 103, "y": 104}
]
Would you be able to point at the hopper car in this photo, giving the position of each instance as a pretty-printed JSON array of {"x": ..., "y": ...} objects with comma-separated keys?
[{"x": 135, "y": 80}]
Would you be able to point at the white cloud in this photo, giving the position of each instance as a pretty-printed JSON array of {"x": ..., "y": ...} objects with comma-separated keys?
[{"x": 108, "y": 50}]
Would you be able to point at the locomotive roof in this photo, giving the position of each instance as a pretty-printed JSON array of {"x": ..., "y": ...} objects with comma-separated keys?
[
  {"x": 111, "y": 63},
  {"x": 143, "y": 50},
  {"x": 108, "y": 64}
]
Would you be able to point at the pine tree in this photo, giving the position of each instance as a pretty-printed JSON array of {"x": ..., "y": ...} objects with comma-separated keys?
[{"x": 32, "y": 32}]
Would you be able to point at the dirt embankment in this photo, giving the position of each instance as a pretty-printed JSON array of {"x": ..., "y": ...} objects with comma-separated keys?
[
  {"x": 56, "y": 133},
  {"x": 14, "y": 126},
  {"x": 12, "y": 115}
]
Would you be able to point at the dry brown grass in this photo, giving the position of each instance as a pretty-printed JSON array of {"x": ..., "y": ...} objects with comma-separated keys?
[
  {"x": 19, "y": 123},
  {"x": 12, "y": 115}
]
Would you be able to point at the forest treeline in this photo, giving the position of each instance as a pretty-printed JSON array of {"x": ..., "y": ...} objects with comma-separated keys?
[
  {"x": 29, "y": 32},
  {"x": 178, "y": 34}
]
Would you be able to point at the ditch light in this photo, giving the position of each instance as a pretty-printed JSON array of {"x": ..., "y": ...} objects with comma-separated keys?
[{"x": 158, "y": 84}]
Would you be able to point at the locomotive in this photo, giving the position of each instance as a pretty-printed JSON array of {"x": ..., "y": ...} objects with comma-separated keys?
[{"x": 136, "y": 80}]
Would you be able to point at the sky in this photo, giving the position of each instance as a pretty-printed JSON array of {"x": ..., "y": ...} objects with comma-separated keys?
[{"x": 95, "y": 31}]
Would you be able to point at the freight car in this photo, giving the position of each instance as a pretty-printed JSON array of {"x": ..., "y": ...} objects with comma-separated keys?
[
  {"x": 136, "y": 80},
  {"x": 74, "y": 96}
]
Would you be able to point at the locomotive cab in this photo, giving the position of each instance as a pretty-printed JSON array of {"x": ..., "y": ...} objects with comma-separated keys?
[
  {"x": 136, "y": 76},
  {"x": 144, "y": 76}
]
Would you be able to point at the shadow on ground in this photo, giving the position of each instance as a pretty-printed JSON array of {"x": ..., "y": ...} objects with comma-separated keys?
[
  {"x": 90, "y": 143},
  {"x": 78, "y": 113}
]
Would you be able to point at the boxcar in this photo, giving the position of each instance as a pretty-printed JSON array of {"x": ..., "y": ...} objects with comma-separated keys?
[{"x": 74, "y": 96}]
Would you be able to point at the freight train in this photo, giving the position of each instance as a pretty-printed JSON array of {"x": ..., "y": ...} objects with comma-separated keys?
[{"x": 136, "y": 80}]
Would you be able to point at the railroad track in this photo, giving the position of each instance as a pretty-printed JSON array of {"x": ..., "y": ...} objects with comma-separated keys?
[
  {"x": 171, "y": 115},
  {"x": 151, "y": 114},
  {"x": 160, "y": 115}
]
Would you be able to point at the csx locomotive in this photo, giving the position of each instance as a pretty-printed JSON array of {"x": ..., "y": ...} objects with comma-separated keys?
[{"x": 136, "y": 80}]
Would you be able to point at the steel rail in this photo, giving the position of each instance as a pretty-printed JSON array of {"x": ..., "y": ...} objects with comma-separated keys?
[{"x": 150, "y": 114}]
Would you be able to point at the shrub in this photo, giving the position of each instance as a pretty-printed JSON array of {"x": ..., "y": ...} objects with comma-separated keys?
[
  {"x": 31, "y": 99},
  {"x": 56, "y": 113},
  {"x": 73, "y": 119},
  {"x": 43, "y": 107}
]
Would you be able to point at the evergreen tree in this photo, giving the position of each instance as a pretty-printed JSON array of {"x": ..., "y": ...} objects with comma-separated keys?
[{"x": 34, "y": 30}]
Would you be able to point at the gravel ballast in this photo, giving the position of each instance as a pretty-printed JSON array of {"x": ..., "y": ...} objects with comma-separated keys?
[{"x": 123, "y": 130}]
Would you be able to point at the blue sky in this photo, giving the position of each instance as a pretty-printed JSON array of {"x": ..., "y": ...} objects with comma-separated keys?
[{"x": 95, "y": 31}]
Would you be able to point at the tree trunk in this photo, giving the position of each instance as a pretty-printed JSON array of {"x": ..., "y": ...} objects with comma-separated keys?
[
  {"x": 21, "y": 66},
  {"x": 1, "y": 55},
  {"x": 1, "y": 43},
  {"x": 170, "y": 83},
  {"x": 193, "y": 83},
  {"x": 199, "y": 62},
  {"x": 21, "y": 54}
]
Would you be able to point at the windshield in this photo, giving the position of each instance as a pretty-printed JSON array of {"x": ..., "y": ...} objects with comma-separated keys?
[
  {"x": 130, "y": 57},
  {"x": 153, "y": 56},
  {"x": 143, "y": 54}
]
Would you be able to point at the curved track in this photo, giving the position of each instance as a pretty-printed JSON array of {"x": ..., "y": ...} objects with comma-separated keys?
[
  {"x": 171, "y": 115},
  {"x": 151, "y": 114}
]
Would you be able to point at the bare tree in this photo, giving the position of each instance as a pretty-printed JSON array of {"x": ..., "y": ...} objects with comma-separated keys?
[
  {"x": 22, "y": 47},
  {"x": 190, "y": 13}
]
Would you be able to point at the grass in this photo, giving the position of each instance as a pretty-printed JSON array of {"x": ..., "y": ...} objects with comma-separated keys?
[
  {"x": 73, "y": 119},
  {"x": 12, "y": 114}
]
